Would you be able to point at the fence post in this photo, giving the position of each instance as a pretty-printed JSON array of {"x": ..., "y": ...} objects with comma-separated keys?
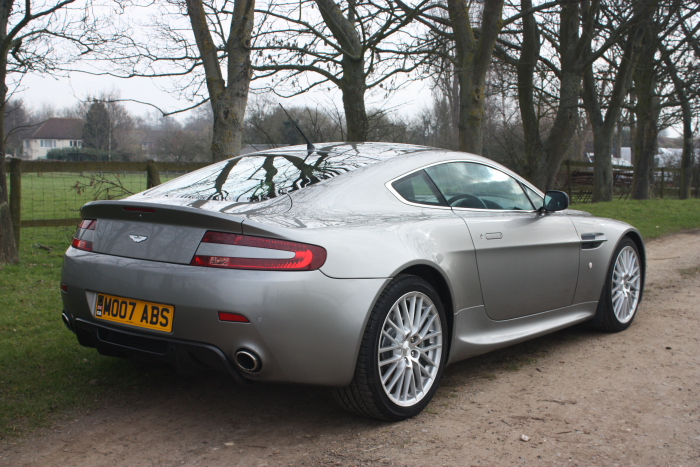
[
  {"x": 663, "y": 180},
  {"x": 16, "y": 197},
  {"x": 568, "y": 178},
  {"x": 152, "y": 175}
]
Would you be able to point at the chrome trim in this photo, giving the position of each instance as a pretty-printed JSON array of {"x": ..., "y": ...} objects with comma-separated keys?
[
  {"x": 500, "y": 169},
  {"x": 252, "y": 356}
]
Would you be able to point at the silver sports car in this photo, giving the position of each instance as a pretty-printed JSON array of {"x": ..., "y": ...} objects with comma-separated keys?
[{"x": 363, "y": 267}]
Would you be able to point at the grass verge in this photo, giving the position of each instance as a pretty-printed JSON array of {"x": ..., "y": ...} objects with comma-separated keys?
[
  {"x": 44, "y": 372},
  {"x": 653, "y": 217}
]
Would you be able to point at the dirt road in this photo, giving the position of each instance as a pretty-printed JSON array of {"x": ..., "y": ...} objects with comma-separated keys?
[{"x": 575, "y": 397}]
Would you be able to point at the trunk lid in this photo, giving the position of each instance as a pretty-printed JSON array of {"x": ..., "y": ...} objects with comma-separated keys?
[{"x": 152, "y": 231}]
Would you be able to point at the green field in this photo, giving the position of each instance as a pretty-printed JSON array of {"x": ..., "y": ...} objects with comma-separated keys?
[
  {"x": 60, "y": 195},
  {"x": 653, "y": 217},
  {"x": 45, "y": 373}
]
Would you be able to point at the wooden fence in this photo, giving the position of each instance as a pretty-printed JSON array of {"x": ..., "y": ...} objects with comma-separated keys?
[
  {"x": 574, "y": 177},
  {"x": 17, "y": 167}
]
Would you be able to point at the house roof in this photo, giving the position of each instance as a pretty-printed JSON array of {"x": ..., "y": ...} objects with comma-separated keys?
[{"x": 60, "y": 128}]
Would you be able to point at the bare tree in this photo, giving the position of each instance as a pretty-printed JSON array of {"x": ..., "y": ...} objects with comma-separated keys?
[
  {"x": 681, "y": 57},
  {"x": 204, "y": 47},
  {"x": 354, "y": 46},
  {"x": 604, "y": 107},
  {"x": 37, "y": 36}
]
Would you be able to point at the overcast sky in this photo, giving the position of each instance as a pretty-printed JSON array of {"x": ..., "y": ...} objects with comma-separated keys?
[{"x": 65, "y": 92}]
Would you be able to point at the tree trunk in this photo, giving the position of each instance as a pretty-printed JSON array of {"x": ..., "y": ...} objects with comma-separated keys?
[
  {"x": 353, "y": 86},
  {"x": 544, "y": 157},
  {"x": 604, "y": 126},
  {"x": 602, "y": 165},
  {"x": 688, "y": 157},
  {"x": 648, "y": 109},
  {"x": 354, "y": 81},
  {"x": 227, "y": 136},
  {"x": 645, "y": 148},
  {"x": 8, "y": 248},
  {"x": 228, "y": 101},
  {"x": 473, "y": 60}
]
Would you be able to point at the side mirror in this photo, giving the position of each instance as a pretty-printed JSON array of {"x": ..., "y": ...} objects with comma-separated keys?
[{"x": 555, "y": 201}]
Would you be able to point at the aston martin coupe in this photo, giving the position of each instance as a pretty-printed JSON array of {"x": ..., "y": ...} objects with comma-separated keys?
[{"x": 363, "y": 267}]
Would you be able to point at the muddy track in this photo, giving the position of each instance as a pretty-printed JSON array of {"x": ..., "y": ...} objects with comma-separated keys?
[{"x": 576, "y": 397}]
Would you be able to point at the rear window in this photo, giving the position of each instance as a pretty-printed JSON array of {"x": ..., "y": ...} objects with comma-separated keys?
[{"x": 267, "y": 175}]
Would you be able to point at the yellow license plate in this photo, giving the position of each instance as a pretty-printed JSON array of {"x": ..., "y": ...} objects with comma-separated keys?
[{"x": 135, "y": 312}]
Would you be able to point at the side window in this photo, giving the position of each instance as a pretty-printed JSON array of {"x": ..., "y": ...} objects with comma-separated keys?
[
  {"x": 536, "y": 199},
  {"x": 476, "y": 186},
  {"x": 417, "y": 188}
]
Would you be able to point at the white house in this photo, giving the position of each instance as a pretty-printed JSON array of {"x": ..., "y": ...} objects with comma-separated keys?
[{"x": 54, "y": 133}]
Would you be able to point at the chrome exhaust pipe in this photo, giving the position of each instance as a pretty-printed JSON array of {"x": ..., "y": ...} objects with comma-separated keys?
[
  {"x": 66, "y": 321},
  {"x": 248, "y": 361}
]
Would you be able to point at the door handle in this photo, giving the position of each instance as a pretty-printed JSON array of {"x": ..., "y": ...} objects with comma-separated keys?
[{"x": 494, "y": 236}]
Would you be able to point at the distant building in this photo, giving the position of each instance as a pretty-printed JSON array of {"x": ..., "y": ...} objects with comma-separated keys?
[
  {"x": 54, "y": 133},
  {"x": 151, "y": 140}
]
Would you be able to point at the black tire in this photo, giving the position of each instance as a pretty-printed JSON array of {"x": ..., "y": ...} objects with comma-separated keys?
[
  {"x": 366, "y": 395},
  {"x": 606, "y": 318}
]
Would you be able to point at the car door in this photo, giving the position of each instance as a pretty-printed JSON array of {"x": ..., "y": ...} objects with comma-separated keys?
[{"x": 528, "y": 262}]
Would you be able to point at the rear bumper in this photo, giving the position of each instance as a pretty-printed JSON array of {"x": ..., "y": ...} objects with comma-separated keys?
[
  {"x": 182, "y": 355},
  {"x": 305, "y": 326}
]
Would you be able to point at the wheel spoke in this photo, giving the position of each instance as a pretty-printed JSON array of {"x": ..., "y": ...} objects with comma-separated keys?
[
  {"x": 400, "y": 369},
  {"x": 426, "y": 327},
  {"x": 406, "y": 316},
  {"x": 417, "y": 309},
  {"x": 430, "y": 336},
  {"x": 390, "y": 372},
  {"x": 397, "y": 313},
  {"x": 428, "y": 360},
  {"x": 393, "y": 359},
  {"x": 425, "y": 371},
  {"x": 431, "y": 347},
  {"x": 392, "y": 339},
  {"x": 389, "y": 349},
  {"x": 417, "y": 376},
  {"x": 406, "y": 384},
  {"x": 399, "y": 330}
]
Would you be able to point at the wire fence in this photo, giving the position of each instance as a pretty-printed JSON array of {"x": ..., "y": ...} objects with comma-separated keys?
[{"x": 46, "y": 196}]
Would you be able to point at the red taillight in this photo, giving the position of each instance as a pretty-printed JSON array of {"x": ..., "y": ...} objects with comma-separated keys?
[
  {"x": 306, "y": 257},
  {"x": 64, "y": 288},
  {"x": 88, "y": 224},
  {"x": 232, "y": 317},
  {"x": 82, "y": 244},
  {"x": 135, "y": 209}
]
